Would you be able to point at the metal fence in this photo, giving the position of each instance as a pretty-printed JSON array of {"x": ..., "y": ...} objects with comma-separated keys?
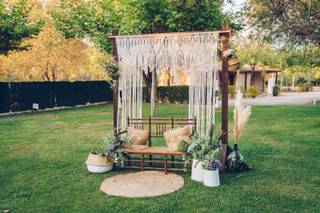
[{"x": 20, "y": 96}]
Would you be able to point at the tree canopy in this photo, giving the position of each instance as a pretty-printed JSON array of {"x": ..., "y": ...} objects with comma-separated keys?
[
  {"x": 15, "y": 26},
  {"x": 95, "y": 19},
  {"x": 296, "y": 21},
  {"x": 52, "y": 57}
]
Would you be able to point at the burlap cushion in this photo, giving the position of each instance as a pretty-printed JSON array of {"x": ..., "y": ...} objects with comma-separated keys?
[
  {"x": 137, "y": 136},
  {"x": 174, "y": 136},
  {"x": 135, "y": 147}
]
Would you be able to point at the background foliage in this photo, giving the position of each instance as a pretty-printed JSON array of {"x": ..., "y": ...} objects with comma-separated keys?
[
  {"x": 15, "y": 25},
  {"x": 69, "y": 37}
]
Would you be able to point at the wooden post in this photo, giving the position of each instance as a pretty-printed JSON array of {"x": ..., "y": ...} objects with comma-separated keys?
[
  {"x": 150, "y": 129},
  {"x": 245, "y": 81},
  {"x": 224, "y": 97},
  {"x": 165, "y": 164},
  {"x": 115, "y": 88}
]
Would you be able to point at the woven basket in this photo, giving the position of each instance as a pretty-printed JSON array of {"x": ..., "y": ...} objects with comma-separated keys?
[{"x": 98, "y": 160}]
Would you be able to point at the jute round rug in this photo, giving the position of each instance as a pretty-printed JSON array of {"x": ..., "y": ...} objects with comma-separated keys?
[{"x": 142, "y": 184}]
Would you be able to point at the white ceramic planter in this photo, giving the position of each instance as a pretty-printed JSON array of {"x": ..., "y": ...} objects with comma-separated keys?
[
  {"x": 211, "y": 178},
  {"x": 99, "y": 169},
  {"x": 197, "y": 171}
]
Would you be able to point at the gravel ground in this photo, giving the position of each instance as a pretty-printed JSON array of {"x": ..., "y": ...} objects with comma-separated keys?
[{"x": 296, "y": 98}]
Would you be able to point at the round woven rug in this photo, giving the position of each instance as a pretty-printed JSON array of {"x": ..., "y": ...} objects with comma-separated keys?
[{"x": 142, "y": 184}]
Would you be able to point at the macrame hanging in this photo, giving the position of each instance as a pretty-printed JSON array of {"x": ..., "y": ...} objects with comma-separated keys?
[{"x": 194, "y": 53}]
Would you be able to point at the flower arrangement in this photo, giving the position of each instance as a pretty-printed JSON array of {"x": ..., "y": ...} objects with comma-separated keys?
[
  {"x": 209, "y": 162},
  {"x": 204, "y": 148},
  {"x": 114, "y": 149},
  {"x": 98, "y": 148}
]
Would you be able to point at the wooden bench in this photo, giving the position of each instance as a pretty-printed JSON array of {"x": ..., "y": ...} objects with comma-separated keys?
[{"x": 156, "y": 127}]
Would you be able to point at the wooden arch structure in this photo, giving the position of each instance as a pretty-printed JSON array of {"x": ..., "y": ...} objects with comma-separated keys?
[{"x": 224, "y": 36}]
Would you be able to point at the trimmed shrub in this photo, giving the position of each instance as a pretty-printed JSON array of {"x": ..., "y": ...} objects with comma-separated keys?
[
  {"x": 253, "y": 91},
  {"x": 276, "y": 90},
  {"x": 173, "y": 94},
  {"x": 305, "y": 87},
  {"x": 232, "y": 91}
]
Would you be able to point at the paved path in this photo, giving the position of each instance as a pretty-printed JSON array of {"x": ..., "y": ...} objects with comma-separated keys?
[{"x": 284, "y": 99}]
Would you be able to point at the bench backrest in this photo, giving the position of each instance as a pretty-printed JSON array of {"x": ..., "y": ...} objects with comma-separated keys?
[{"x": 157, "y": 126}]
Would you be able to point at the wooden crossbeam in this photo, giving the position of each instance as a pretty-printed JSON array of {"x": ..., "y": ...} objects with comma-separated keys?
[{"x": 221, "y": 33}]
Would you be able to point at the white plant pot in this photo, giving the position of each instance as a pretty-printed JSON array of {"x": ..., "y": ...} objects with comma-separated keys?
[
  {"x": 99, "y": 169},
  {"x": 211, "y": 178},
  {"x": 98, "y": 163},
  {"x": 197, "y": 171}
]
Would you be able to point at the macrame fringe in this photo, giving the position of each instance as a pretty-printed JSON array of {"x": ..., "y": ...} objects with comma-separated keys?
[{"x": 195, "y": 54}]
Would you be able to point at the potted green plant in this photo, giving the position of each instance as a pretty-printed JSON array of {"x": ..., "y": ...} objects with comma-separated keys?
[
  {"x": 97, "y": 161},
  {"x": 253, "y": 91},
  {"x": 110, "y": 152},
  {"x": 198, "y": 150},
  {"x": 210, "y": 168}
]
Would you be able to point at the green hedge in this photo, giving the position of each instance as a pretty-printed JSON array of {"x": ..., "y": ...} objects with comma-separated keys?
[{"x": 173, "y": 94}]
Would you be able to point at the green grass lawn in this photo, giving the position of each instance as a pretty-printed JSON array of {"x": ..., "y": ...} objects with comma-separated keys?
[{"x": 42, "y": 165}]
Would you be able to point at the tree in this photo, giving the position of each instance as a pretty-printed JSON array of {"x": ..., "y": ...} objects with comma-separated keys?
[
  {"x": 95, "y": 19},
  {"x": 191, "y": 15},
  {"x": 15, "y": 26},
  {"x": 297, "y": 21},
  {"x": 253, "y": 52},
  {"x": 52, "y": 58}
]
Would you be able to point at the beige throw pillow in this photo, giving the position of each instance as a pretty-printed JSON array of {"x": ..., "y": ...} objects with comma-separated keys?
[
  {"x": 174, "y": 136},
  {"x": 137, "y": 136}
]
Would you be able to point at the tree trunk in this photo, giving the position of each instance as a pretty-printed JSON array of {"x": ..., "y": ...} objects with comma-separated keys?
[
  {"x": 148, "y": 81},
  {"x": 293, "y": 82},
  {"x": 253, "y": 79},
  {"x": 281, "y": 83}
]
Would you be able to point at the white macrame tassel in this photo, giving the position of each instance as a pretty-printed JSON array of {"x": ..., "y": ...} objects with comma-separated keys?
[{"x": 192, "y": 53}]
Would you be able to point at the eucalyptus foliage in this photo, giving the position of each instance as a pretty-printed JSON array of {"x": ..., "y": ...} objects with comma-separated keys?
[
  {"x": 205, "y": 149},
  {"x": 115, "y": 150}
]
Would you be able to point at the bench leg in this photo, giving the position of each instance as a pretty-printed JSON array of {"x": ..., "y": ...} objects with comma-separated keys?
[
  {"x": 129, "y": 158},
  {"x": 165, "y": 164},
  {"x": 142, "y": 162}
]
